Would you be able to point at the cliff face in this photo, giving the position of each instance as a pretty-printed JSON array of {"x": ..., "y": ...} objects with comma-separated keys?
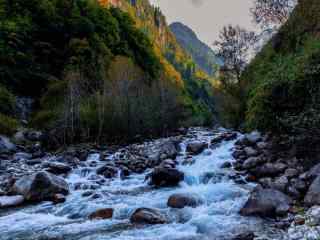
[{"x": 202, "y": 54}]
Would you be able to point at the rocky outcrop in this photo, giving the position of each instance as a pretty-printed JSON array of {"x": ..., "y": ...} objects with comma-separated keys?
[
  {"x": 266, "y": 203},
  {"x": 166, "y": 177},
  {"x": 40, "y": 186},
  {"x": 180, "y": 200},
  {"x": 148, "y": 216}
]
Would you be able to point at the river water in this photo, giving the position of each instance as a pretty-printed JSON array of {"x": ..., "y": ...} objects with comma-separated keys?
[{"x": 216, "y": 219}]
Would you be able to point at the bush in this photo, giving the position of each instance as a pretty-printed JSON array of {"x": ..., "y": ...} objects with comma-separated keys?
[{"x": 8, "y": 125}]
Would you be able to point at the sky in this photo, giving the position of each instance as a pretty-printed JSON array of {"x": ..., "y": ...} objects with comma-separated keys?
[{"x": 207, "y": 17}]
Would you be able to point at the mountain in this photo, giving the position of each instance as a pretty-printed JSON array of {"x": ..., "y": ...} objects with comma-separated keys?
[
  {"x": 96, "y": 70},
  {"x": 202, "y": 54}
]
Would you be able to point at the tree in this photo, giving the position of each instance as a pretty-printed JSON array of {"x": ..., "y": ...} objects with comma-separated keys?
[
  {"x": 270, "y": 13},
  {"x": 234, "y": 49}
]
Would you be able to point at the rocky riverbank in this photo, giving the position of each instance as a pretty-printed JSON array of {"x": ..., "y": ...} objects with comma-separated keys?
[{"x": 288, "y": 186}]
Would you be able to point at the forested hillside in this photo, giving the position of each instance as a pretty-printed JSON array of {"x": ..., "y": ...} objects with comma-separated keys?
[
  {"x": 96, "y": 72},
  {"x": 282, "y": 83}
]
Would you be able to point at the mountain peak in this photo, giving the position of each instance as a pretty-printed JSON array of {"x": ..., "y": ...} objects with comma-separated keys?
[{"x": 202, "y": 54}]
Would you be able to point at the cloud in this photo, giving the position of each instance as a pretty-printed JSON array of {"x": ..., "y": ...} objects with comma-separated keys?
[{"x": 196, "y": 3}]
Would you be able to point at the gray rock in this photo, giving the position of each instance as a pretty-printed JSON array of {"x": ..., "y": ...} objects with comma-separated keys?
[
  {"x": 40, "y": 186},
  {"x": 313, "y": 195},
  {"x": 281, "y": 183},
  {"x": 251, "y": 152},
  {"x": 291, "y": 173},
  {"x": 270, "y": 170},
  {"x": 58, "y": 168},
  {"x": 313, "y": 173},
  {"x": 148, "y": 216},
  {"x": 165, "y": 177},
  {"x": 252, "y": 162},
  {"x": 181, "y": 200},
  {"x": 266, "y": 203},
  {"x": 11, "y": 201},
  {"x": 245, "y": 236},
  {"x": 196, "y": 147},
  {"x": 299, "y": 184},
  {"x": 169, "y": 149}
]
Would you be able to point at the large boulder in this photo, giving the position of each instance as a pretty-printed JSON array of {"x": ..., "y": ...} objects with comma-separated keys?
[
  {"x": 266, "y": 203},
  {"x": 11, "y": 201},
  {"x": 105, "y": 213},
  {"x": 313, "y": 195},
  {"x": 166, "y": 177},
  {"x": 6, "y": 145},
  {"x": 40, "y": 186},
  {"x": 108, "y": 171},
  {"x": 269, "y": 170},
  {"x": 184, "y": 200},
  {"x": 196, "y": 147},
  {"x": 148, "y": 216}
]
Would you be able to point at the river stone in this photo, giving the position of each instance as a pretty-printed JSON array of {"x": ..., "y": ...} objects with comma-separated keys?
[
  {"x": 181, "y": 200},
  {"x": 106, "y": 213},
  {"x": 251, "y": 152},
  {"x": 196, "y": 147},
  {"x": 58, "y": 168},
  {"x": 266, "y": 203},
  {"x": 166, "y": 177},
  {"x": 40, "y": 186},
  {"x": 168, "y": 150},
  {"x": 148, "y": 216},
  {"x": 269, "y": 170},
  {"x": 313, "y": 173},
  {"x": 245, "y": 236},
  {"x": 108, "y": 171},
  {"x": 251, "y": 162},
  {"x": 253, "y": 137},
  {"x": 313, "y": 195},
  {"x": 11, "y": 201}
]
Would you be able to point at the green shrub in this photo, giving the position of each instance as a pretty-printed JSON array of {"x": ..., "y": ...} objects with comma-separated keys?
[{"x": 8, "y": 125}]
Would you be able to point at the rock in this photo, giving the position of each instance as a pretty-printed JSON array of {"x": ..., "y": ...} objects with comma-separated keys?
[
  {"x": 251, "y": 162},
  {"x": 299, "y": 220},
  {"x": 291, "y": 173},
  {"x": 11, "y": 201},
  {"x": 245, "y": 236},
  {"x": 270, "y": 170},
  {"x": 124, "y": 172},
  {"x": 313, "y": 173},
  {"x": 108, "y": 171},
  {"x": 165, "y": 177},
  {"x": 262, "y": 145},
  {"x": 294, "y": 193},
  {"x": 251, "y": 152},
  {"x": 184, "y": 200},
  {"x": 40, "y": 186},
  {"x": 253, "y": 137},
  {"x": 313, "y": 195},
  {"x": 314, "y": 215},
  {"x": 281, "y": 183},
  {"x": 266, "y": 203},
  {"x": 169, "y": 149},
  {"x": 34, "y": 136},
  {"x": 6, "y": 145},
  {"x": 58, "y": 168},
  {"x": 106, "y": 213},
  {"x": 238, "y": 154},
  {"x": 58, "y": 198},
  {"x": 168, "y": 162},
  {"x": 196, "y": 147},
  {"x": 148, "y": 216},
  {"x": 226, "y": 165}
]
